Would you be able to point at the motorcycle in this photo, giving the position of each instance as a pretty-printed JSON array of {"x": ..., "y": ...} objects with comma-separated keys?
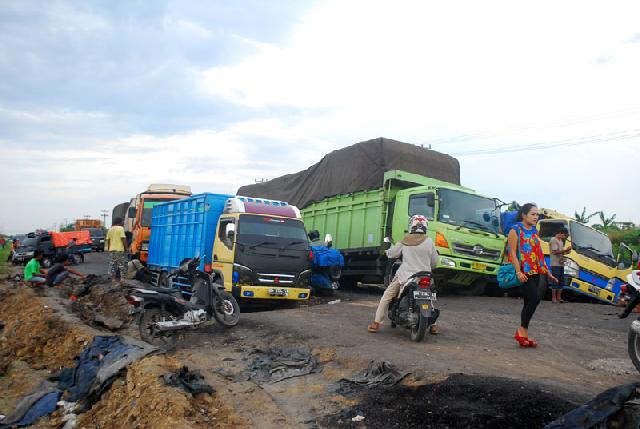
[
  {"x": 414, "y": 307},
  {"x": 163, "y": 313},
  {"x": 632, "y": 289}
]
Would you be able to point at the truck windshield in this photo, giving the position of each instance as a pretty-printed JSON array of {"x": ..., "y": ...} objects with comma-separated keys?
[
  {"x": 468, "y": 210},
  {"x": 148, "y": 204},
  {"x": 591, "y": 242},
  {"x": 29, "y": 242},
  {"x": 257, "y": 229}
]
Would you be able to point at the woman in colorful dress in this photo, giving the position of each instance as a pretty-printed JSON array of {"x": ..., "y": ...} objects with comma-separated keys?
[{"x": 530, "y": 267}]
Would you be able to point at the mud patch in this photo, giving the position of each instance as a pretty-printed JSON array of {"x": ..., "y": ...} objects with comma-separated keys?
[
  {"x": 142, "y": 400},
  {"x": 35, "y": 334},
  {"x": 100, "y": 303},
  {"x": 461, "y": 401}
]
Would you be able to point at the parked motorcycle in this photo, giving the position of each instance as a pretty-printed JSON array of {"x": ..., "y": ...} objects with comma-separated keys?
[
  {"x": 163, "y": 313},
  {"x": 414, "y": 307},
  {"x": 632, "y": 289}
]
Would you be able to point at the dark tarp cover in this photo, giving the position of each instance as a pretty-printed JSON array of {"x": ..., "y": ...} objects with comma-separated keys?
[{"x": 359, "y": 167}]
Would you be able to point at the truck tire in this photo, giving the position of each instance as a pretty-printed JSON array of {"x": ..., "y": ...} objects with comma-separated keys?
[
  {"x": 163, "y": 280},
  {"x": 335, "y": 272},
  {"x": 226, "y": 310},
  {"x": 476, "y": 288}
]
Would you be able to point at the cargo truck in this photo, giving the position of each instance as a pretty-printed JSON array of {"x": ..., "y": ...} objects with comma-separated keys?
[
  {"x": 591, "y": 268},
  {"x": 87, "y": 223},
  {"x": 138, "y": 219},
  {"x": 463, "y": 224},
  {"x": 260, "y": 246}
]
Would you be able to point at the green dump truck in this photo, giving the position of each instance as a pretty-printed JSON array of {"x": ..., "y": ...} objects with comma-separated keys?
[{"x": 464, "y": 225}]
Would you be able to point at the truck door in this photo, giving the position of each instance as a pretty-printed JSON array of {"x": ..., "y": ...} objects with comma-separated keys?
[{"x": 223, "y": 250}]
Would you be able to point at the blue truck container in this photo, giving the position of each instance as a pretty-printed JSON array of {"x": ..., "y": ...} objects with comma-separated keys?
[{"x": 183, "y": 229}]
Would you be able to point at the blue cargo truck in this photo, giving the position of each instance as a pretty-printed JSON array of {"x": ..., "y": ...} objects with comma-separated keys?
[{"x": 259, "y": 245}]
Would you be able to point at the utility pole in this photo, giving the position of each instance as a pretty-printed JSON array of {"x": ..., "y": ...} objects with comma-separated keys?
[{"x": 104, "y": 213}]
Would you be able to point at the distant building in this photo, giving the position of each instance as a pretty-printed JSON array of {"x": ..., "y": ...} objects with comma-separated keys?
[{"x": 624, "y": 225}]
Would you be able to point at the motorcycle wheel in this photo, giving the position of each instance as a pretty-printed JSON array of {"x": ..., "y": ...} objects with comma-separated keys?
[
  {"x": 633, "y": 345},
  {"x": 149, "y": 317},
  {"x": 417, "y": 332},
  {"x": 226, "y": 310}
]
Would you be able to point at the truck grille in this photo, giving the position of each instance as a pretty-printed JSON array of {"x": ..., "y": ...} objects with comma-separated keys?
[
  {"x": 476, "y": 251},
  {"x": 276, "y": 279}
]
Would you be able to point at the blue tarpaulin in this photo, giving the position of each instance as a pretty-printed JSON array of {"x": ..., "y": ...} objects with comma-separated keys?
[{"x": 326, "y": 257}]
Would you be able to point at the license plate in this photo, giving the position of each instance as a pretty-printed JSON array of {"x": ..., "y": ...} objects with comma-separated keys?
[
  {"x": 478, "y": 266},
  {"x": 278, "y": 292},
  {"x": 418, "y": 294}
]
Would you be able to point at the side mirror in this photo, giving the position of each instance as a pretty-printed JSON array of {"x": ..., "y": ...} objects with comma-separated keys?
[
  {"x": 131, "y": 213},
  {"x": 230, "y": 231},
  {"x": 431, "y": 200},
  {"x": 621, "y": 266},
  {"x": 314, "y": 235},
  {"x": 386, "y": 243},
  {"x": 634, "y": 257},
  {"x": 328, "y": 240}
]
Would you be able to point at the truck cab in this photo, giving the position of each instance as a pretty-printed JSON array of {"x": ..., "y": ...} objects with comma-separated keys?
[
  {"x": 590, "y": 268},
  {"x": 138, "y": 219},
  {"x": 262, "y": 249},
  {"x": 464, "y": 226}
]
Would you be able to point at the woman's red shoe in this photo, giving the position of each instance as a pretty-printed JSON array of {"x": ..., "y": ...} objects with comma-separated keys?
[
  {"x": 523, "y": 341},
  {"x": 532, "y": 343}
]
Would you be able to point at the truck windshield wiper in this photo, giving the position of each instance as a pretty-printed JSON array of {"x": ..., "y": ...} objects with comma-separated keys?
[{"x": 253, "y": 246}]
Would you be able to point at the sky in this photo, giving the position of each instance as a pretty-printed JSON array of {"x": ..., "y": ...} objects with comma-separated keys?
[{"x": 539, "y": 101}]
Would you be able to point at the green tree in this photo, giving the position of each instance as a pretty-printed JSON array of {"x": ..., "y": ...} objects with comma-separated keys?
[
  {"x": 584, "y": 217},
  {"x": 69, "y": 227},
  {"x": 606, "y": 223}
]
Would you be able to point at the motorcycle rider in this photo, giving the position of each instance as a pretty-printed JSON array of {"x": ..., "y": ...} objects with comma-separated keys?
[{"x": 418, "y": 254}]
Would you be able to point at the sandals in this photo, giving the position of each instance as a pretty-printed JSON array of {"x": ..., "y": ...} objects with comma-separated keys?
[
  {"x": 523, "y": 341},
  {"x": 433, "y": 330},
  {"x": 373, "y": 327}
]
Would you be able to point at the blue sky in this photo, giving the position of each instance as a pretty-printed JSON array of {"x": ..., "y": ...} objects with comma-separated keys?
[{"x": 99, "y": 99}]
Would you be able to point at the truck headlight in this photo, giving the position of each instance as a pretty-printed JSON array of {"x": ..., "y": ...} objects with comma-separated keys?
[
  {"x": 571, "y": 268},
  {"x": 447, "y": 262}
]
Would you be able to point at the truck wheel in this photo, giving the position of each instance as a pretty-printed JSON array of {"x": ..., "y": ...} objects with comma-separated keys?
[
  {"x": 226, "y": 310},
  {"x": 335, "y": 272},
  {"x": 476, "y": 288},
  {"x": 163, "y": 280},
  {"x": 149, "y": 316},
  {"x": 47, "y": 262}
]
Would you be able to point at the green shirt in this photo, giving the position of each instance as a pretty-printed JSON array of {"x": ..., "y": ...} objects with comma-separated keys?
[{"x": 33, "y": 267}]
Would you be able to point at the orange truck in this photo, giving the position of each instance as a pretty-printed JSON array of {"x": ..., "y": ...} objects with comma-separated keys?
[
  {"x": 87, "y": 223},
  {"x": 138, "y": 216}
]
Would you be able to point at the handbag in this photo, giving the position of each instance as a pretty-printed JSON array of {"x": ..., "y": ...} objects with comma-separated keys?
[{"x": 507, "y": 277}]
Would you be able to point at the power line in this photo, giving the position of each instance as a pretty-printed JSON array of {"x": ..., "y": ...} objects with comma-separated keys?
[
  {"x": 529, "y": 127},
  {"x": 559, "y": 143}
]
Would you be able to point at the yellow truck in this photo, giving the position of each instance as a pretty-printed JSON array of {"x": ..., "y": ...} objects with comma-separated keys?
[{"x": 590, "y": 268}]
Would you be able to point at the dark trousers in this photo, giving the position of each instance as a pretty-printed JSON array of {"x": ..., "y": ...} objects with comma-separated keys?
[{"x": 533, "y": 290}]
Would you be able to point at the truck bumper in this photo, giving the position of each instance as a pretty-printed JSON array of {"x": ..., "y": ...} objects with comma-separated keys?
[
  {"x": 270, "y": 292},
  {"x": 465, "y": 271},
  {"x": 591, "y": 290}
]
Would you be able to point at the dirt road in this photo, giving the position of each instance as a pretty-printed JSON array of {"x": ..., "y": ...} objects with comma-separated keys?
[{"x": 582, "y": 349}]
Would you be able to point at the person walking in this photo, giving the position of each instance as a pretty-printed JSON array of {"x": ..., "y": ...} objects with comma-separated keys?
[
  {"x": 525, "y": 254},
  {"x": 556, "y": 256},
  {"x": 115, "y": 244},
  {"x": 3, "y": 242}
]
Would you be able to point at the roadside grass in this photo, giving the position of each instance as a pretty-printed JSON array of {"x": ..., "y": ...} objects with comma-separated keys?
[{"x": 4, "y": 254}]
